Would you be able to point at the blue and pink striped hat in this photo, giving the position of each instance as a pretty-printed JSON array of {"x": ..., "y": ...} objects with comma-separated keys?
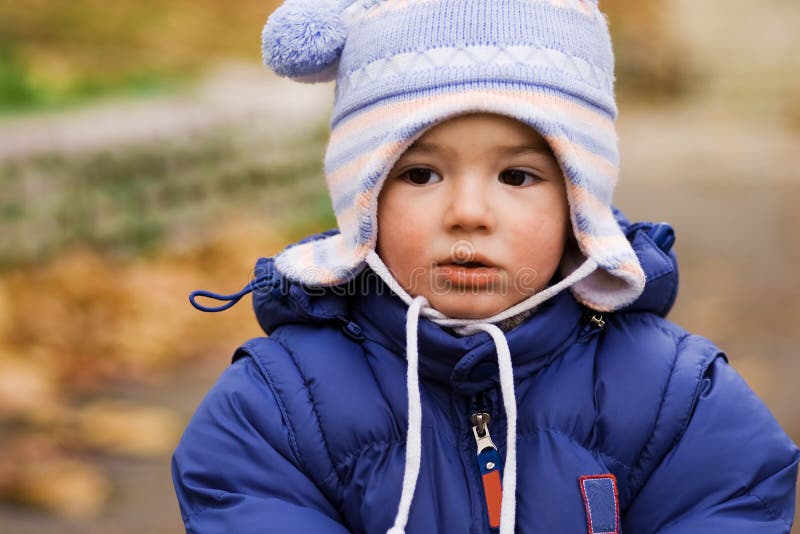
[{"x": 403, "y": 66}]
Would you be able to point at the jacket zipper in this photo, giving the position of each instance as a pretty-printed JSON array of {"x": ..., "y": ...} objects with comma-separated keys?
[{"x": 489, "y": 463}]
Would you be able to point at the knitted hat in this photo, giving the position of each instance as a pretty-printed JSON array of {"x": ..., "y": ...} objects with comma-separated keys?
[{"x": 403, "y": 66}]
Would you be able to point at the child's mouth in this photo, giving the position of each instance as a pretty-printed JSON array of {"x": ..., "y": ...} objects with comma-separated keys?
[
  {"x": 474, "y": 260},
  {"x": 469, "y": 264},
  {"x": 470, "y": 274}
]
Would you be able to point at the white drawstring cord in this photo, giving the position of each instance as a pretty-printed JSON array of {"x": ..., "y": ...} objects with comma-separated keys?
[
  {"x": 508, "y": 506},
  {"x": 414, "y": 435},
  {"x": 418, "y": 306}
]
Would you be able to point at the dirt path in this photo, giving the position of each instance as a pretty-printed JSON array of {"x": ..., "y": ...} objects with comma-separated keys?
[{"x": 230, "y": 94}]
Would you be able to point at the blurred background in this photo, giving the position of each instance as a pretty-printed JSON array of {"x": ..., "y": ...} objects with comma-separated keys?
[{"x": 144, "y": 153}]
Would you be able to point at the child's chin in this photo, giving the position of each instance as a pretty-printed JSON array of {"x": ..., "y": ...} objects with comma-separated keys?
[{"x": 471, "y": 306}]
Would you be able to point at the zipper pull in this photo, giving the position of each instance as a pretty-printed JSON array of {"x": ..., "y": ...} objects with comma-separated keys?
[
  {"x": 593, "y": 322},
  {"x": 351, "y": 329},
  {"x": 490, "y": 465}
]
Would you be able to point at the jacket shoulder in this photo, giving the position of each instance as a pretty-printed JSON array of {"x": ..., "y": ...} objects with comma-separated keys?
[
  {"x": 710, "y": 453},
  {"x": 237, "y": 464},
  {"x": 327, "y": 384},
  {"x": 649, "y": 373}
]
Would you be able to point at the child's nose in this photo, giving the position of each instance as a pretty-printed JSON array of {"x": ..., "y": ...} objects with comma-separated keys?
[{"x": 469, "y": 208}]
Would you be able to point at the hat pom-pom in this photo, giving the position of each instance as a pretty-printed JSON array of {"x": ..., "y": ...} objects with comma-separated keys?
[{"x": 303, "y": 39}]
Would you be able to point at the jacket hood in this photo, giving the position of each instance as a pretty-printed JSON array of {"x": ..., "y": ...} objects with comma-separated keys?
[{"x": 278, "y": 301}]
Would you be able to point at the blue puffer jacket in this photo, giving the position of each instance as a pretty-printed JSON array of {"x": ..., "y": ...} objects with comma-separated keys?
[{"x": 624, "y": 423}]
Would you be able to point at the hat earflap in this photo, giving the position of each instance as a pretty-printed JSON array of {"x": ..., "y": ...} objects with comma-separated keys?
[{"x": 304, "y": 39}]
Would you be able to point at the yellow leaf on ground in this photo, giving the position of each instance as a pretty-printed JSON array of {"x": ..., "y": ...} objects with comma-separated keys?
[
  {"x": 40, "y": 476},
  {"x": 122, "y": 428}
]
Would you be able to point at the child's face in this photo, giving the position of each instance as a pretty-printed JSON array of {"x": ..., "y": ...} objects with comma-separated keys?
[{"x": 474, "y": 215}]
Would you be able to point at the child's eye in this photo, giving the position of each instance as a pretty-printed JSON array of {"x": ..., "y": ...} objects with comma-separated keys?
[
  {"x": 518, "y": 178},
  {"x": 421, "y": 176}
]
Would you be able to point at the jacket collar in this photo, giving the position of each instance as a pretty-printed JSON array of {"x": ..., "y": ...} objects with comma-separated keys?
[{"x": 466, "y": 362}]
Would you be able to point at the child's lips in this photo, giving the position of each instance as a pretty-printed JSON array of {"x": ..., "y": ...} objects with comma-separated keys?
[
  {"x": 474, "y": 275},
  {"x": 471, "y": 260}
]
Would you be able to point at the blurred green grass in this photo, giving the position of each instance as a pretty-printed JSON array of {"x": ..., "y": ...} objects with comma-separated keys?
[
  {"x": 23, "y": 89},
  {"x": 57, "y": 54}
]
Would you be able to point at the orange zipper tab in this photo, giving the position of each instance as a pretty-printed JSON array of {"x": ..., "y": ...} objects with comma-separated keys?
[
  {"x": 492, "y": 487},
  {"x": 490, "y": 465}
]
